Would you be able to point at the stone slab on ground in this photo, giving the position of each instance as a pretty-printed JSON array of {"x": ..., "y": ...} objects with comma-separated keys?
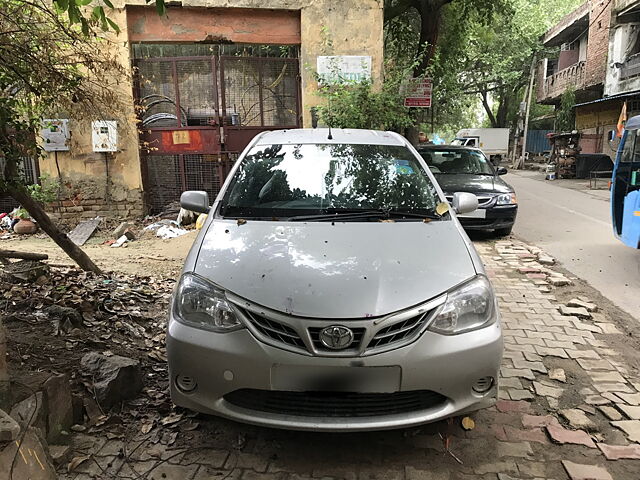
[
  {"x": 616, "y": 452},
  {"x": 115, "y": 378},
  {"x": 578, "y": 471},
  {"x": 577, "y": 303},
  {"x": 59, "y": 407},
  {"x": 574, "y": 311},
  {"x": 562, "y": 435},
  {"x": 630, "y": 427},
  {"x": 32, "y": 459},
  {"x": 558, "y": 374},
  {"x": 610, "y": 412},
  {"x": 633, "y": 412},
  {"x": 547, "y": 391},
  {"x": 578, "y": 419},
  {"x": 31, "y": 412},
  {"x": 9, "y": 428},
  {"x": 83, "y": 231}
]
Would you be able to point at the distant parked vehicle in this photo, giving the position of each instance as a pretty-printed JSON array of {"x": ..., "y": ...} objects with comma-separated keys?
[
  {"x": 463, "y": 169},
  {"x": 625, "y": 186},
  {"x": 494, "y": 142}
]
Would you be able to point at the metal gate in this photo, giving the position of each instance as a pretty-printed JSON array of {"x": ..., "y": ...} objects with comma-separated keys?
[{"x": 198, "y": 113}]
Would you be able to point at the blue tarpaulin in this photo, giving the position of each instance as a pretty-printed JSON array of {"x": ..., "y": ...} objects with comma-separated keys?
[{"x": 537, "y": 141}]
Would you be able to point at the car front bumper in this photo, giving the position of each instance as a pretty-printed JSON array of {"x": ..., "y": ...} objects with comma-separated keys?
[
  {"x": 228, "y": 364},
  {"x": 496, "y": 218}
]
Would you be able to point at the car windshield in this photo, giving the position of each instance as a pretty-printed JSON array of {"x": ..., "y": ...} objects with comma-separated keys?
[
  {"x": 287, "y": 180},
  {"x": 457, "y": 161}
]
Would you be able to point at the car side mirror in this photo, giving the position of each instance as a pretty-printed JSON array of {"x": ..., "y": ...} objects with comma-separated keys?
[
  {"x": 464, "y": 202},
  {"x": 501, "y": 171},
  {"x": 195, "y": 200}
]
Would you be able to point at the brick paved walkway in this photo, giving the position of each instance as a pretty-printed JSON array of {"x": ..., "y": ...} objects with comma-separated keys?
[{"x": 569, "y": 409}]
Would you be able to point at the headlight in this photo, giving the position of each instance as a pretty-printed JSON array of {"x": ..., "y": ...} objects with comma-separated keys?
[
  {"x": 201, "y": 304},
  {"x": 507, "y": 199},
  {"x": 468, "y": 307}
]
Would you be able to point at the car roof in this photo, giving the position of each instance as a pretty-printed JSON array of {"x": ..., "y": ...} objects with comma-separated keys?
[
  {"x": 446, "y": 147},
  {"x": 321, "y": 135}
]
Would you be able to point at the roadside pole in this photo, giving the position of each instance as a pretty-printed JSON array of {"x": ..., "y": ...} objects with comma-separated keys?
[{"x": 526, "y": 115}]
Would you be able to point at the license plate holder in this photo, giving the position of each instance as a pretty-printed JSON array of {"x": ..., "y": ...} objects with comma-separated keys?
[
  {"x": 479, "y": 213},
  {"x": 301, "y": 378}
]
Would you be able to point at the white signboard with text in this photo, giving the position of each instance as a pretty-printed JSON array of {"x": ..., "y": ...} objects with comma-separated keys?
[
  {"x": 418, "y": 92},
  {"x": 344, "y": 68}
]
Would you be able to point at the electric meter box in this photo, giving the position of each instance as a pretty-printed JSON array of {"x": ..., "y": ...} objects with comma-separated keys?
[
  {"x": 55, "y": 134},
  {"x": 104, "y": 135}
]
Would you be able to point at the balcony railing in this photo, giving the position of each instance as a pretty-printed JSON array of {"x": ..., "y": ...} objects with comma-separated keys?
[
  {"x": 631, "y": 67},
  {"x": 555, "y": 85}
]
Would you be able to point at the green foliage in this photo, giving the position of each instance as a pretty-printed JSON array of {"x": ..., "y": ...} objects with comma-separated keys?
[
  {"x": 77, "y": 12},
  {"x": 359, "y": 105},
  {"x": 49, "y": 67},
  {"x": 353, "y": 104},
  {"x": 485, "y": 59},
  {"x": 22, "y": 214},
  {"x": 565, "y": 115},
  {"x": 46, "y": 191}
]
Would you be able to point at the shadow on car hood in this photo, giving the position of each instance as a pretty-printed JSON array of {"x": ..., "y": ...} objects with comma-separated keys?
[
  {"x": 451, "y": 183},
  {"x": 345, "y": 270}
]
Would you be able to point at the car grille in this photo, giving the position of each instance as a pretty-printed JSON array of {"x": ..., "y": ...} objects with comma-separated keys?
[
  {"x": 358, "y": 335},
  {"x": 275, "y": 330},
  {"x": 334, "y": 404},
  {"x": 398, "y": 331}
]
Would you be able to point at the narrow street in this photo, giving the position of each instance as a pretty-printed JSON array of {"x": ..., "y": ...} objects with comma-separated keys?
[{"x": 575, "y": 227}]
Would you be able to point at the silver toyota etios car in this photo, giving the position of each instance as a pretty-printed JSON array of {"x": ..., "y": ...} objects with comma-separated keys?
[{"x": 332, "y": 288}]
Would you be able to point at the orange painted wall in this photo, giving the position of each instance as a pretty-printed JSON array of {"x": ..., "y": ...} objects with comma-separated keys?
[{"x": 238, "y": 25}]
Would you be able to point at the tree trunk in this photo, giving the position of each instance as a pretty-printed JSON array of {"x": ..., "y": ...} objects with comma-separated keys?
[
  {"x": 503, "y": 108},
  {"x": 487, "y": 109},
  {"x": 51, "y": 229},
  {"x": 429, "y": 30},
  {"x": 23, "y": 255}
]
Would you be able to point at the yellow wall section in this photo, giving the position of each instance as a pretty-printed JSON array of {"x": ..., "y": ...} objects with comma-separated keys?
[{"x": 354, "y": 26}]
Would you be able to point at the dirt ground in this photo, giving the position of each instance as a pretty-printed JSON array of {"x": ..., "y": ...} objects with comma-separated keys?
[{"x": 149, "y": 255}]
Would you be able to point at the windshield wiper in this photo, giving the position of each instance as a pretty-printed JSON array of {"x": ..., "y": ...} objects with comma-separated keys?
[{"x": 351, "y": 215}]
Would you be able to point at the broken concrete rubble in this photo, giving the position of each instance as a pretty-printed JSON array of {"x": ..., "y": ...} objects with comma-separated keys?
[
  {"x": 577, "y": 303},
  {"x": 559, "y": 281},
  {"x": 115, "y": 378},
  {"x": 59, "y": 407},
  {"x": 574, "y": 311},
  {"x": 122, "y": 228},
  {"x": 578, "y": 419},
  {"x": 9, "y": 428},
  {"x": 31, "y": 412},
  {"x": 34, "y": 464}
]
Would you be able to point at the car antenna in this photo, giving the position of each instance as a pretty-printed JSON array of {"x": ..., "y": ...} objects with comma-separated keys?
[{"x": 329, "y": 137}]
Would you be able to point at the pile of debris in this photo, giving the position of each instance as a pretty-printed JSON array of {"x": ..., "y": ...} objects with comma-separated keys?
[
  {"x": 100, "y": 338},
  {"x": 536, "y": 264}
]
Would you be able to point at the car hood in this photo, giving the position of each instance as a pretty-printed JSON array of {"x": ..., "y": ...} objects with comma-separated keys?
[
  {"x": 452, "y": 183},
  {"x": 341, "y": 270}
]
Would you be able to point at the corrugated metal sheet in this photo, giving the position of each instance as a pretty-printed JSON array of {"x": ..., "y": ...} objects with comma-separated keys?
[{"x": 537, "y": 141}]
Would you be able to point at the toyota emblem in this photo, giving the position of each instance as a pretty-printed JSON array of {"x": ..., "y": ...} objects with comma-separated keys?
[{"x": 336, "y": 337}]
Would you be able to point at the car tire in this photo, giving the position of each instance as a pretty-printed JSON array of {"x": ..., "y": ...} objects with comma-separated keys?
[{"x": 503, "y": 232}]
